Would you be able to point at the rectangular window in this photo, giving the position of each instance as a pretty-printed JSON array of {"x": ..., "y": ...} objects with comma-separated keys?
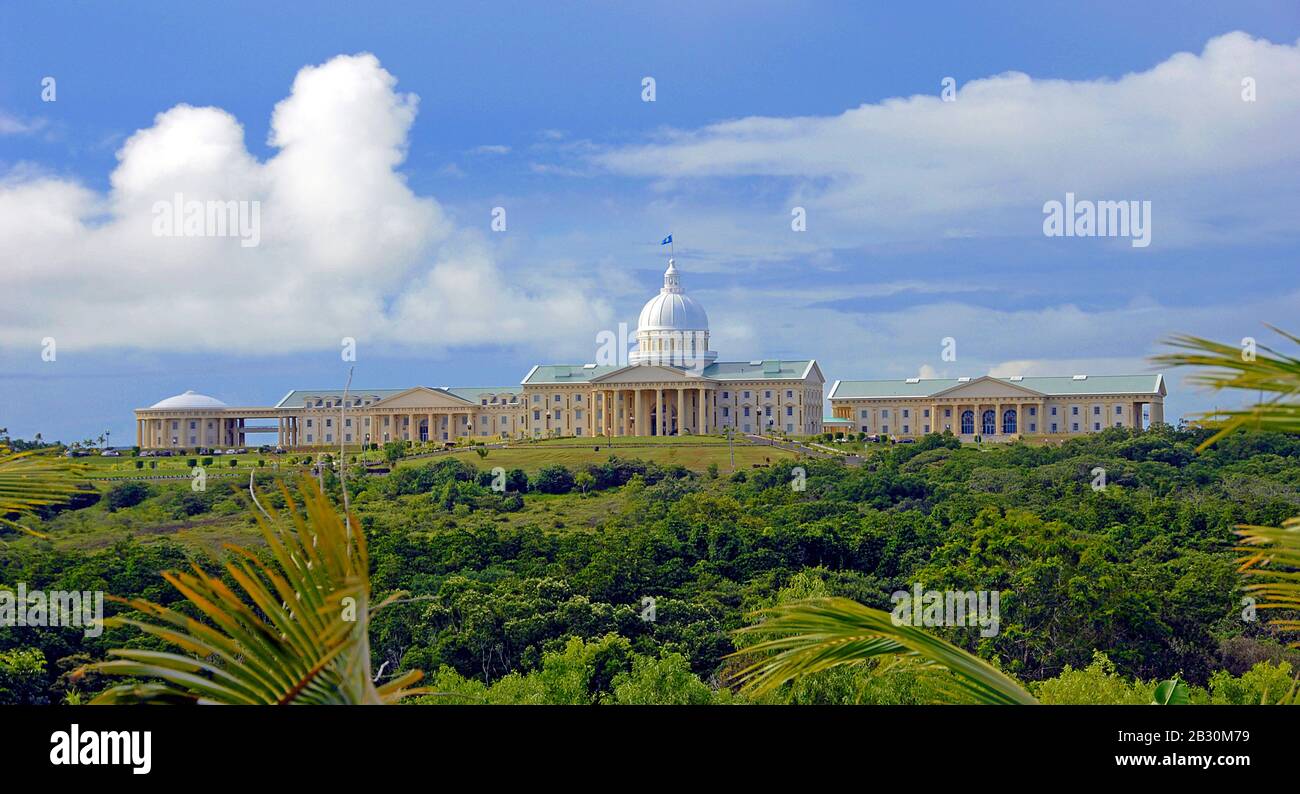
[
  {"x": 1053, "y": 410},
  {"x": 884, "y": 413},
  {"x": 907, "y": 414},
  {"x": 726, "y": 411},
  {"x": 1053, "y": 427},
  {"x": 1119, "y": 410},
  {"x": 789, "y": 411},
  {"x": 537, "y": 416},
  {"x": 1075, "y": 427},
  {"x": 1096, "y": 425},
  {"x": 746, "y": 395},
  {"x": 1074, "y": 410},
  {"x": 746, "y": 410},
  {"x": 767, "y": 395},
  {"x": 789, "y": 395},
  {"x": 1096, "y": 410},
  {"x": 925, "y": 414},
  {"x": 907, "y": 429},
  {"x": 926, "y": 429}
]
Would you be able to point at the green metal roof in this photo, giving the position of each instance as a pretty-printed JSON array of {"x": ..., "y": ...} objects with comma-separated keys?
[
  {"x": 836, "y": 420},
  {"x": 476, "y": 393},
  {"x": 769, "y": 369},
  {"x": 1055, "y": 386},
  {"x": 566, "y": 373},
  {"x": 297, "y": 397}
]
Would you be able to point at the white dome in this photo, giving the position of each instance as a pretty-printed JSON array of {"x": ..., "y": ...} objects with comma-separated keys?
[
  {"x": 672, "y": 329},
  {"x": 189, "y": 399},
  {"x": 672, "y": 309}
]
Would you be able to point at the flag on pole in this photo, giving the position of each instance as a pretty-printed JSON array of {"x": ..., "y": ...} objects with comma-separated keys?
[{"x": 667, "y": 240}]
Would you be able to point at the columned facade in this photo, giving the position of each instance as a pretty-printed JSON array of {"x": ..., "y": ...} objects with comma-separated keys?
[{"x": 1000, "y": 408}]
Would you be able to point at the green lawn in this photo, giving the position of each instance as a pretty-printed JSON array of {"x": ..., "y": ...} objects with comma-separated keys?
[{"x": 693, "y": 453}]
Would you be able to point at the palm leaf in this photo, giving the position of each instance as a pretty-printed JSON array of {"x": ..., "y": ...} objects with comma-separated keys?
[
  {"x": 1270, "y": 555},
  {"x": 1271, "y": 560},
  {"x": 294, "y": 631},
  {"x": 818, "y": 634},
  {"x": 1171, "y": 693},
  {"x": 32, "y": 480},
  {"x": 1227, "y": 367}
]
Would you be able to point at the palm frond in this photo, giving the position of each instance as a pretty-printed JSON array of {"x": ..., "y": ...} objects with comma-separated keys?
[
  {"x": 1271, "y": 560},
  {"x": 1226, "y": 366},
  {"x": 294, "y": 631},
  {"x": 1270, "y": 555},
  {"x": 32, "y": 480},
  {"x": 818, "y": 634}
]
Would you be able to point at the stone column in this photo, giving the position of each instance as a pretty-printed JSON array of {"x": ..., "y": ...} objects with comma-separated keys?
[
  {"x": 704, "y": 410},
  {"x": 659, "y": 411},
  {"x": 681, "y": 410},
  {"x": 638, "y": 425}
]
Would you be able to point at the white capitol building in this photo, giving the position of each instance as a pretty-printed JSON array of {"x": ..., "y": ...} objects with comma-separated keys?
[{"x": 672, "y": 385}]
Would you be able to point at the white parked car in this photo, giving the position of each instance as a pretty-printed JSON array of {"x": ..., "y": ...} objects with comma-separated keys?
[{"x": 110, "y": 453}]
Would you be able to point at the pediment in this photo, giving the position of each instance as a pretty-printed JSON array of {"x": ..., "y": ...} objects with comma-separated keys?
[
  {"x": 985, "y": 386},
  {"x": 651, "y": 373},
  {"x": 421, "y": 397}
]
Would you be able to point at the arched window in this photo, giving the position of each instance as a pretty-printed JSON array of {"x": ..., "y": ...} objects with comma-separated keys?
[
  {"x": 989, "y": 423},
  {"x": 968, "y": 423},
  {"x": 1009, "y": 421}
]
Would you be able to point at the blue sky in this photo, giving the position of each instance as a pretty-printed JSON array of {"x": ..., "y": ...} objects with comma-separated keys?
[{"x": 924, "y": 219}]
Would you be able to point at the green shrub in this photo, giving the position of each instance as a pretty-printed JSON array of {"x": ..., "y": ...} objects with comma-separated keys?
[{"x": 126, "y": 494}]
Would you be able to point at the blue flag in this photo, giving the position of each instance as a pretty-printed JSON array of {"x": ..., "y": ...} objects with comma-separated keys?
[{"x": 667, "y": 240}]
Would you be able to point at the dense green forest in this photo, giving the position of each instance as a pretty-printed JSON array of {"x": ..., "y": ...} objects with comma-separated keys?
[{"x": 624, "y": 582}]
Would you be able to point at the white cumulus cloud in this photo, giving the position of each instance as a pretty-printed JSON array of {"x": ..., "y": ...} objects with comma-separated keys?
[{"x": 345, "y": 248}]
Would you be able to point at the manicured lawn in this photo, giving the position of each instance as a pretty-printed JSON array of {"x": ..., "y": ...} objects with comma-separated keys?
[{"x": 688, "y": 452}]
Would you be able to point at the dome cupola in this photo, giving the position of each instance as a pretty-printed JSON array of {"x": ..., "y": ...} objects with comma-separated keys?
[
  {"x": 189, "y": 399},
  {"x": 673, "y": 327}
]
